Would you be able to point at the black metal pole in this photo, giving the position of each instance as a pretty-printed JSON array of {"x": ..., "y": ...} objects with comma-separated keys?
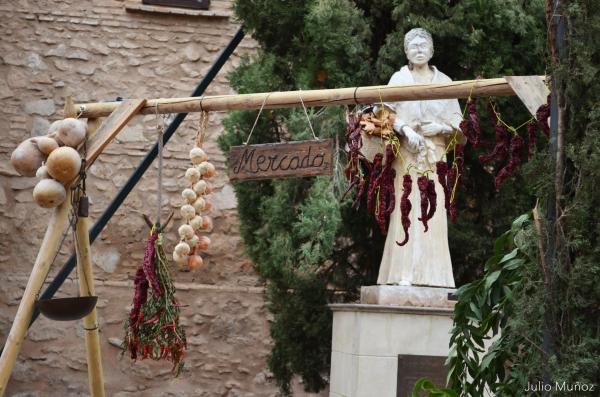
[{"x": 139, "y": 171}]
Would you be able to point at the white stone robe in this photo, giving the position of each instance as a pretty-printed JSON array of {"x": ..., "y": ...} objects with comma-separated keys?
[{"x": 425, "y": 259}]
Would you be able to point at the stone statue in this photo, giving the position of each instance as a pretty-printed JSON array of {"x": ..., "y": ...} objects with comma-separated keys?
[{"x": 425, "y": 128}]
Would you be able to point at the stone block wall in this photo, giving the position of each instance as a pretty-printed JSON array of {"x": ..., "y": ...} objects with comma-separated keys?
[{"x": 96, "y": 51}]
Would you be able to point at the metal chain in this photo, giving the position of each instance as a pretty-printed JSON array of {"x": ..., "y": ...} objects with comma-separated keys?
[{"x": 78, "y": 197}]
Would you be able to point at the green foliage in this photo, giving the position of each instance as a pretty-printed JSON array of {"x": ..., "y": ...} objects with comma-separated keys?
[
  {"x": 304, "y": 240},
  {"x": 545, "y": 311},
  {"x": 487, "y": 321},
  {"x": 574, "y": 291},
  {"x": 424, "y": 385}
]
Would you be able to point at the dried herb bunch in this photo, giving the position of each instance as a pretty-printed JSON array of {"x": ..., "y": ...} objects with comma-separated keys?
[{"x": 153, "y": 329}]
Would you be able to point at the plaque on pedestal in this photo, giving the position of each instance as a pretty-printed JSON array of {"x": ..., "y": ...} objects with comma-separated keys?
[{"x": 411, "y": 368}]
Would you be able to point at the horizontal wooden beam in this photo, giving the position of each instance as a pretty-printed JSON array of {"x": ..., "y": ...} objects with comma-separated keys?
[{"x": 331, "y": 97}]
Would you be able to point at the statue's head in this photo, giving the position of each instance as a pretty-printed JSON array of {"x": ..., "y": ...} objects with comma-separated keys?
[{"x": 418, "y": 46}]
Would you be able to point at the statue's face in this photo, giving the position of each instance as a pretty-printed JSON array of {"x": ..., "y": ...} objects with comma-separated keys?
[{"x": 419, "y": 51}]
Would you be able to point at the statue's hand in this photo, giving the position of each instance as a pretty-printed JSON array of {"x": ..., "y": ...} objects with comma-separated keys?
[
  {"x": 415, "y": 140},
  {"x": 432, "y": 128}
]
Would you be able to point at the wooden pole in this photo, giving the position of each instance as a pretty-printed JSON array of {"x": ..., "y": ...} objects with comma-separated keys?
[
  {"x": 331, "y": 97},
  {"x": 90, "y": 322},
  {"x": 59, "y": 222}
]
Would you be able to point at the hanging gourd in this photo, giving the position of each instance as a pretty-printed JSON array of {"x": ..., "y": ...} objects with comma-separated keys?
[
  {"x": 53, "y": 159},
  {"x": 27, "y": 158}
]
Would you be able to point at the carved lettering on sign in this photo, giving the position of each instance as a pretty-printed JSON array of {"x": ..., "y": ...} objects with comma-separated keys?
[{"x": 281, "y": 160}]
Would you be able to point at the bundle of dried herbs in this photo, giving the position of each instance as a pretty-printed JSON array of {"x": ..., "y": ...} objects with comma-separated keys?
[{"x": 153, "y": 329}]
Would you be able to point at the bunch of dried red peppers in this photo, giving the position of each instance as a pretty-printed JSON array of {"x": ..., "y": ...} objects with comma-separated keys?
[
  {"x": 376, "y": 178},
  {"x": 153, "y": 329}
]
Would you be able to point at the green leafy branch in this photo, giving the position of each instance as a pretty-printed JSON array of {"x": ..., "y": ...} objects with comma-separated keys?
[{"x": 486, "y": 353}]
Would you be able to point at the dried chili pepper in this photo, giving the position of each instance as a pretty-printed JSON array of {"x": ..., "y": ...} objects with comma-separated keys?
[
  {"x": 422, "y": 183},
  {"x": 389, "y": 192},
  {"x": 355, "y": 158},
  {"x": 542, "y": 115},
  {"x": 470, "y": 127},
  {"x": 359, "y": 193},
  {"x": 514, "y": 160},
  {"x": 452, "y": 175},
  {"x": 140, "y": 295},
  {"x": 441, "y": 168},
  {"x": 352, "y": 147},
  {"x": 465, "y": 127},
  {"x": 459, "y": 160},
  {"x": 453, "y": 212},
  {"x": 387, "y": 180},
  {"x": 532, "y": 138},
  {"x": 384, "y": 184},
  {"x": 432, "y": 197},
  {"x": 148, "y": 264},
  {"x": 376, "y": 168},
  {"x": 502, "y": 139},
  {"x": 405, "y": 207},
  {"x": 474, "y": 122}
]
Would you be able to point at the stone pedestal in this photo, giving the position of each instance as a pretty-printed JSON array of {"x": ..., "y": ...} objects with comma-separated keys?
[{"x": 390, "y": 321}]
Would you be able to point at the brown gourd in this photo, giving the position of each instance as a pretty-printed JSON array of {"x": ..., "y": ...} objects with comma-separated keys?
[
  {"x": 72, "y": 132},
  {"x": 53, "y": 132},
  {"x": 49, "y": 193},
  {"x": 64, "y": 164},
  {"x": 46, "y": 144},
  {"x": 27, "y": 158}
]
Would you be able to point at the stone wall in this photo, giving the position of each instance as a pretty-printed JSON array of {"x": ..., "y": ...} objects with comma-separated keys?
[{"x": 99, "y": 50}]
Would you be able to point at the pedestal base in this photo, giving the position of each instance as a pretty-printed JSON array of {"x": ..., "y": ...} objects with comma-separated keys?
[
  {"x": 369, "y": 338},
  {"x": 412, "y": 296}
]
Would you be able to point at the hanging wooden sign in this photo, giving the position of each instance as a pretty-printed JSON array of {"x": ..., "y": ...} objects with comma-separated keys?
[{"x": 281, "y": 160}]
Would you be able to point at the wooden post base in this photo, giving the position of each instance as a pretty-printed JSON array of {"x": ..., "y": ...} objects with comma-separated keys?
[
  {"x": 59, "y": 222},
  {"x": 90, "y": 322}
]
